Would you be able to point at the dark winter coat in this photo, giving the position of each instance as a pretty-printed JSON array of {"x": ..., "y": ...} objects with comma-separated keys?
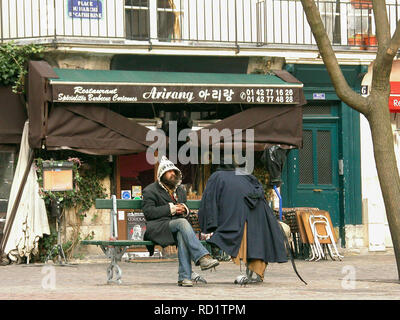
[
  {"x": 228, "y": 201},
  {"x": 157, "y": 213}
]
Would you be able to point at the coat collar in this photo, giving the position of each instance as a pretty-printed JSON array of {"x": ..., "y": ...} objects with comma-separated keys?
[{"x": 164, "y": 193}]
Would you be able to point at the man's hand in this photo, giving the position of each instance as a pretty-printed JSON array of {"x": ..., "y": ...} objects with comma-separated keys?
[{"x": 180, "y": 208}]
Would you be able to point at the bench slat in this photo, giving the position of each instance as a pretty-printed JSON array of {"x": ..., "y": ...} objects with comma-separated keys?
[
  {"x": 130, "y": 204},
  {"x": 136, "y": 204},
  {"x": 121, "y": 204},
  {"x": 122, "y": 243}
]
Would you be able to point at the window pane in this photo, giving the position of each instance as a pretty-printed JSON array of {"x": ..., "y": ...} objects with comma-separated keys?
[
  {"x": 137, "y": 26},
  {"x": 168, "y": 27},
  {"x": 137, "y": 3},
  {"x": 169, "y": 20},
  {"x": 317, "y": 110},
  {"x": 324, "y": 157},
  {"x": 164, "y": 3},
  {"x": 306, "y": 159},
  {"x": 330, "y": 15}
]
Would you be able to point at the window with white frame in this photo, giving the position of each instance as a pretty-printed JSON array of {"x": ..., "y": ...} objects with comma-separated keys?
[
  {"x": 169, "y": 14},
  {"x": 360, "y": 20},
  {"x": 153, "y": 19},
  {"x": 330, "y": 15},
  {"x": 137, "y": 21}
]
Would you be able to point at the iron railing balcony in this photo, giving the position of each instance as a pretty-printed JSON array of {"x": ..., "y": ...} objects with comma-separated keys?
[{"x": 257, "y": 23}]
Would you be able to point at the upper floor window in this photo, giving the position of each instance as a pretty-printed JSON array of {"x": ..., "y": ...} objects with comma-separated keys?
[
  {"x": 330, "y": 15},
  {"x": 149, "y": 19},
  {"x": 360, "y": 20},
  {"x": 137, "y": 19}
]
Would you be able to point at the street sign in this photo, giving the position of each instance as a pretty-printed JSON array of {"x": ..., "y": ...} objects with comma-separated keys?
[
  {"x": 81, "y": 9},
  {"x": 319, "y": 96}
]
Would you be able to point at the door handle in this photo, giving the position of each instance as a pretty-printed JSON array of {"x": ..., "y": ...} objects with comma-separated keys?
[{"x": 317, "y": 190}]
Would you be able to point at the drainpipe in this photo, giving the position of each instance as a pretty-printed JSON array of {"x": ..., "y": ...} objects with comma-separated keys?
[{"x": 236, "y": 31}]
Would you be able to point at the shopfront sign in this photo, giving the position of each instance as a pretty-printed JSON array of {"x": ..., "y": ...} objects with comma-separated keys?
[
  {"x": 394, "y": 99},
  {"x": 175, "y": 94},
  {"x": 319, "y": 96}
]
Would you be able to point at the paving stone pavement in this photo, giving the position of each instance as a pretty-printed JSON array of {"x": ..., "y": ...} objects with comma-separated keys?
[{"x": 371, "y": 276}]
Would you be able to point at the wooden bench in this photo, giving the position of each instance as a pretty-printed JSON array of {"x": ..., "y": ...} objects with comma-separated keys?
[{"x": 115, "y": 249}]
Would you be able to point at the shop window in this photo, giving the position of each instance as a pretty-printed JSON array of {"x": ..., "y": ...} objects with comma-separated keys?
[
  {"x": 7, "y": 167},
  {"x": 134, "y": 171}
]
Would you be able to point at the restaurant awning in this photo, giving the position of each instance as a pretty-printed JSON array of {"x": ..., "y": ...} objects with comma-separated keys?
[
  {"x": 94, "y": 130},
  {"x": 272, "y": 125},
  {"x": 12, "y": 117},
  {"x": 116, "y": 86},
  {"x": 60, "y": 90}
]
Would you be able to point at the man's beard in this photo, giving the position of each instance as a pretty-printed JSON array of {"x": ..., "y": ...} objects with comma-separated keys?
[{"x": 171, "y": 183}]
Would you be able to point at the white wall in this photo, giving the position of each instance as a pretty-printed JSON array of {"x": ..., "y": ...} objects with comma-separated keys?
[
  {"x": 374, "y": 208},
  {"x": 46, "y": 18},
  {"x": 250, "y": 21},
  {"x": 373, "y": 205}
]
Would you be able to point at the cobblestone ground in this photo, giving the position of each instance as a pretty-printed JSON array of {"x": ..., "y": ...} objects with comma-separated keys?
[{"x": 371, "y": 276}]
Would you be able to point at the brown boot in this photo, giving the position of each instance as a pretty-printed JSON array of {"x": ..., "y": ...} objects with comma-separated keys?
[{"x": 207, "y": 262}]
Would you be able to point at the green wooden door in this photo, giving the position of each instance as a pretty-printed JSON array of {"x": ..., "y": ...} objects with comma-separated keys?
[{"x": 312, "y": 173}]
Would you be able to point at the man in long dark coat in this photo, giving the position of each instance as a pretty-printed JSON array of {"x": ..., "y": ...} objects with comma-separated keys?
[
  {"x": 164, "y": 209},
  {"x": 234, "y": 209}
]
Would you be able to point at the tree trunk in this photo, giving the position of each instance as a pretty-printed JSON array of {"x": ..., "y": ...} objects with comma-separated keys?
[
  {"x": 386, "y": 165},
  {"x": 375, "y": 107}
]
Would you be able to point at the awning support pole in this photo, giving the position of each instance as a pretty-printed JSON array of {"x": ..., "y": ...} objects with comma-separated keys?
[{"x": 280, "y": 202}]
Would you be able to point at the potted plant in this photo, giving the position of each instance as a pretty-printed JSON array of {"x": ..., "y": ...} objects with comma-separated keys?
[
  {"x": 370, "y": 40},
  {"x": 356, "y": 40},
  {"x": 361, "y": 4}
]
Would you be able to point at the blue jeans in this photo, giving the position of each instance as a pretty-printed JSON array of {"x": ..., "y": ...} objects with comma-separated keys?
[{"x": 189, "y": 247}]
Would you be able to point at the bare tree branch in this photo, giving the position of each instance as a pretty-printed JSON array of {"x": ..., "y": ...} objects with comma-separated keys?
[
  {"x": 385, "y": 54},
  {"x": 342, "y": 88},
  {"x": 395, "y": 42},
  {"x": 381, "y": 21}
]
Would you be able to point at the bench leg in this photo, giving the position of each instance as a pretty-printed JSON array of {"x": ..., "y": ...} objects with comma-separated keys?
[
  {"x": 114, "y": 267},
  {"x": 115, "y": 254}
]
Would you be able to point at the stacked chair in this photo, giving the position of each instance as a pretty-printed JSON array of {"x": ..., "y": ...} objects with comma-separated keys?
[{"x": 316, "y": 230}]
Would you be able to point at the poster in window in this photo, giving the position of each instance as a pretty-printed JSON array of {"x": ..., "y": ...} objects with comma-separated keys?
[{"x": 136, "y": 226}]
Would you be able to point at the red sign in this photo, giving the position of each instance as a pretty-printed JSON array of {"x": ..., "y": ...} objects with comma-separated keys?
[{"x": 394, "y": 99}]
